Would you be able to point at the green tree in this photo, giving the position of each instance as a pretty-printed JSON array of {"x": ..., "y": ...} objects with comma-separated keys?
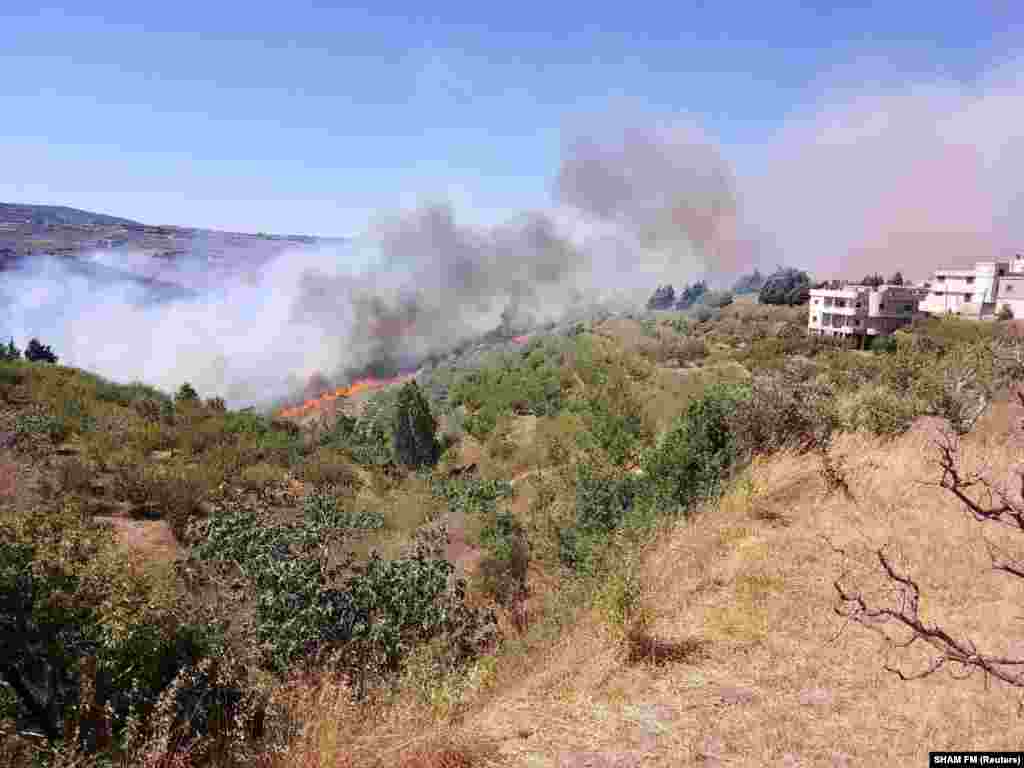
[
  {"x": 9, "y": 352},
  {"x": 750, "y": 283},
  {"x": 414, "y": 429},
  {"x": 896, "y": 279},
  {"x": 873, "y": 281},
  {"x": 786, "y": 286},
  {"x": 38, "y": 352},
  {"x": 186, "y": 394}
]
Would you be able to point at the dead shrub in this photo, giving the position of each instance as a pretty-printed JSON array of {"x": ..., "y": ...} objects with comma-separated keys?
[
  {"x": 73, "y": 475},
  {"x": 328, "y": 467},
  {"x": 644, "y": 648},
  {"x": 8, "y": 479},
  {"x": 149, "y": 408},
  {"x": 259, "y": 476}
]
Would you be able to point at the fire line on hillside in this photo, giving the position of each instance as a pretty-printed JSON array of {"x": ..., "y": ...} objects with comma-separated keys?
[{"x": 317, "y": 403}]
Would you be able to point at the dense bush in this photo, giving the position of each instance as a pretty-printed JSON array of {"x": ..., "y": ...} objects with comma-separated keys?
[
  {"x": 472, "y": 494},
  {"x": 605, "y": 496},
  {"x": 786, "y": 286},
  {"x": 750, "y": 283},
  {"x": 414, "y": 429},
  {"x": 695, "y": 456},
  {"x": 528, "y": 383},
  {"x": 614, "y": 418},
  {"x": 67, "y": 594},
  {"x": 186, "y": 394},
  {"x": 690, "y": 295},
  {"x": 369, "y": 620},
  {"x": 878, "y": 410},
  {"x": 37, "y": 352},
  {"x": 36, "y": 423},
  {"x": 783, "y": 409}
]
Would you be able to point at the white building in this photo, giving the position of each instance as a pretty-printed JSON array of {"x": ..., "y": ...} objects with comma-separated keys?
[
  {"x": 978, "y": 292},
  {"x": 859, "y": 311}
]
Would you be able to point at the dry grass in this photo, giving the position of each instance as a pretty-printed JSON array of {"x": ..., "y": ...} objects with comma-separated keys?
[{"x": 769, "y": 672}]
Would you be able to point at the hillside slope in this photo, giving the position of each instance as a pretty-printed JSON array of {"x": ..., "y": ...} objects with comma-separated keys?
[{"x": 767, "y": 673}]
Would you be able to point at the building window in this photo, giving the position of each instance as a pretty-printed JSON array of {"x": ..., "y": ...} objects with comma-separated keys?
[
  {"x": 1002, "y": 271},
  {"x": 967, "y": 297},
  {"x": 881, "y": 306},
  {"x": 857, "y": 305},
  {"x": 940, "y": 278},
  {"x": 1009, "y": 287},
  {"x": 908, "y": 307},
  {"x": 970, "y": 280}
]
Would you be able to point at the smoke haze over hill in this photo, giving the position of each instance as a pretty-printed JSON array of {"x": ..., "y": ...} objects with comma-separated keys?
[{"x": 908, "y": 177}]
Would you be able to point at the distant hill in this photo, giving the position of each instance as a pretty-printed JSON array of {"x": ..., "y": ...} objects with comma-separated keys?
[
  {"x": 54, "y": 215},
  {"x": 27, "y": 231}
]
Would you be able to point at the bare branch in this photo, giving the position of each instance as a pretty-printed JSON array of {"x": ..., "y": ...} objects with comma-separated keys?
[{"x": 947, "y": 649}]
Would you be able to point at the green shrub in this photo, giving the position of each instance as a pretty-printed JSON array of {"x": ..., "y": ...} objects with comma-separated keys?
[
  {"x": 69, "y": 596},
  {"x": 186, "y": 394},
  {"x": 324, "y": 510},
  {"x": 10, "y": 376},
  {"x": 693, "y": 459},
  {"x": 472, "y": 495},
  {"x": 372, "y": 620},
  {"x": 883, "y": 344},
  {"x": 879, "y": 410},
  {"x": 614, "y": 418},
  {"x": 35, "y": 423},
  {"x": 127, "y": 394}
]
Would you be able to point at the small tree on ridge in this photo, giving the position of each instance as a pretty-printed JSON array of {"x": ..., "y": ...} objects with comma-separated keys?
[{"x": 414, "y": 429}]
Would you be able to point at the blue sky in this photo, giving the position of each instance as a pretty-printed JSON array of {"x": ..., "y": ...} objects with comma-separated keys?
[{"x": 312, "y": 117}]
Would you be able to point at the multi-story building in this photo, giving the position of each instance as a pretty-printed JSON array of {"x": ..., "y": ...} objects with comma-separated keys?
[
  {"x": 967, "y": 292},
  {"x": 859, "y": 311}
]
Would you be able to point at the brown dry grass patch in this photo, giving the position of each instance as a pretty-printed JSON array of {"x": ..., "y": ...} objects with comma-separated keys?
[{"x": 757, "y": 599}]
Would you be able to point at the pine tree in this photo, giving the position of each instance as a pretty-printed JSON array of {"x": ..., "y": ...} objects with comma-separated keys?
[
  {"x": 896, "y": 279},
  {"x": 9, "y": 352},
  {"x": 415, "y": 429},
  {"x": 39, "y": 353}
]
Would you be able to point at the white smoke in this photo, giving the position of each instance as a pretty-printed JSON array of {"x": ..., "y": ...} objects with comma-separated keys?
[{"x": 907, "y": 177}]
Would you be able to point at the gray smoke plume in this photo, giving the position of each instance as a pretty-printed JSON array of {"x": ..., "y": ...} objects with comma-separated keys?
[
  {"x": 909, "y": 177},
  {"x": 665, "y": 185}
]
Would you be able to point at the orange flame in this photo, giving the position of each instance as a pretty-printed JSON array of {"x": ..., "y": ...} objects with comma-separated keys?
[{"x": 316, "y": 403}]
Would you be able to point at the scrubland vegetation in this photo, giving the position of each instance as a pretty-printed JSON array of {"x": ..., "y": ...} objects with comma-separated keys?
[{"x": 661, "y": 536}]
